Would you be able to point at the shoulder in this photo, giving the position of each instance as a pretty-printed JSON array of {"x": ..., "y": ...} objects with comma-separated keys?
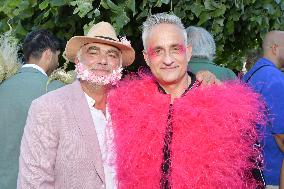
[
  {"x": 26, "y": 77},
  {"x": 58, "y": 95},
  {"x": 268, "y": 75},
  {"x": 230, "y": 73},
  {"x": 233, "y": 92},
  {"x": 223, "y": 73},
  {"x": 133, "y": 88},
  {"x": 230, "y": 99},
  {"x": 54, "y": 85},
  {"x": 135, "y": 83}
]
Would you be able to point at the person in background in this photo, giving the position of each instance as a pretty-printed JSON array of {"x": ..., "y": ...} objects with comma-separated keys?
[
  {"x": 266, "y": 79},
  {"x": 41, "y": 50},
  {"x": 203, "y": 52}
]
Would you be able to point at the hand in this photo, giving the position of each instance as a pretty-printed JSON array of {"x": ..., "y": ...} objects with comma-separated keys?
[
  {"x": 279, "y": 138},
  {"x": 207, "y": 78}
]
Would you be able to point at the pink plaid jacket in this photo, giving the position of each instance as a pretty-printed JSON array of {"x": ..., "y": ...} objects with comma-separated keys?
[{"x": 59, "y": 147}]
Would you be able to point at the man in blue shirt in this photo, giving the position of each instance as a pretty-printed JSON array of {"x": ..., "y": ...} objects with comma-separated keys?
[{"x": 266, "y": 78}]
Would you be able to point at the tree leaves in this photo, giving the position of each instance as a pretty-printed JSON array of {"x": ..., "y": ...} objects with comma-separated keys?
[
  {"x": 43, "y": 5},
  {"x": 83, "y": 7},
  {"x": 131, "y": 6},
  {"x": 196, "y": 8},
  {"x": 204, "y": 16},
  {"x": 237, "y": 25}
]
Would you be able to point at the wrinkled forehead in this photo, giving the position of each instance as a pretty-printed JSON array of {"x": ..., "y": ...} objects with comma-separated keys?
[{"x": 100, "y": 46}]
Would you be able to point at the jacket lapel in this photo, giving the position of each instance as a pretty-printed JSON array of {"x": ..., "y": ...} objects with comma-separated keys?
[{"x": 84, "y": 119}]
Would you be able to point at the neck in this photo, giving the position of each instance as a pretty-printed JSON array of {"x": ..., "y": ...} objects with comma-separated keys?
[
  {"x": 178, "y": 88},
  {"x": 273, "y": 60},
  {"x": 40, "y": 64},
  {"x": 96, "y": 92}
]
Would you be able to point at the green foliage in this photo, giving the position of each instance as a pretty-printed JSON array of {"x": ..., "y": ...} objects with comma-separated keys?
[{"x": 237, "y": 25}]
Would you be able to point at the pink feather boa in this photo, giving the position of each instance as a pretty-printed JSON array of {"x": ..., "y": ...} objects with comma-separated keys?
[{"x": 213, "y": 135}]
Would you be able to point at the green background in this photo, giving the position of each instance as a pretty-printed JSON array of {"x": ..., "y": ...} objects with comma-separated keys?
[{"x": 237, "y": 25}]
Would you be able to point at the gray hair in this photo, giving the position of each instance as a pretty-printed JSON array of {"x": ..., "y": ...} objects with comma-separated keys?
[
  {"x": 161, "y": 18},
  {"x": 203, "y": 44}
]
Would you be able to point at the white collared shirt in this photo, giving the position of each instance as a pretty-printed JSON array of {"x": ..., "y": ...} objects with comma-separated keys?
[
  {"x": 105, "y": 142},
  {"x": 35, "y": 67}
]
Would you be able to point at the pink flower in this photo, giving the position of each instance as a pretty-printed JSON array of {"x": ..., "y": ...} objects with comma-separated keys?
[{"x": 124, "y": 41}]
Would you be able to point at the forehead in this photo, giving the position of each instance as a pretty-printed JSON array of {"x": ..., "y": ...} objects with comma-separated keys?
[
  {"x": 165, "y": 35},
  {"x": 280, "y": 37},
  {"x": 102, "y": 46}
]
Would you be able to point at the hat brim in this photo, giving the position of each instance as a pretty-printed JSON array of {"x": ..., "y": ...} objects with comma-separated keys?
[{"x": 76, "y": 42}]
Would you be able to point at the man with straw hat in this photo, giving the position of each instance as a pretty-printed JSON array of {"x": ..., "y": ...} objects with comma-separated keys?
[{"x": 64, "y": 143}]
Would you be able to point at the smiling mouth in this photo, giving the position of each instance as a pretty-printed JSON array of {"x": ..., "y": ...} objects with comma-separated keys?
[
  {"x": 100, "y": 69},
  {"x": 169, "y": 68}
]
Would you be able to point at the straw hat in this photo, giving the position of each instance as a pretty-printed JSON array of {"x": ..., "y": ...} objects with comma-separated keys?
[{"x": 102, "y": 32}]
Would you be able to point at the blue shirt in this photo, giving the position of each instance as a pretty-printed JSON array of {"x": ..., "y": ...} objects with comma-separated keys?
[{"x": 265, "y": 78}]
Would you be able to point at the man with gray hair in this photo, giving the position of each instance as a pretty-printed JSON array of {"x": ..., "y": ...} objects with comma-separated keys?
[
  {"x": 203, "y": 52},
  {"x": 171, "y": 133}
]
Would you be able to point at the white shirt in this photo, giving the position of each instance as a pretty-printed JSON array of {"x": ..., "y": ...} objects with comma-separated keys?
[
  {"x": 105, "y": 142},
  {"x": 35, "y": 67}
]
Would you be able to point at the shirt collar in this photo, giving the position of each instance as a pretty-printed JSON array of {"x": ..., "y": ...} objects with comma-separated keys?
[
  {"x": 266, "y": 61},
  {"x": 35, "y": 67},
  {"x": 193, "y": 80},
  {"x": 260, "y": 63},
  {"x": 90, "y": 101}
]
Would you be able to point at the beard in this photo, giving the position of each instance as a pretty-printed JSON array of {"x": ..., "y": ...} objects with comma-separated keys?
[{"x": 86, "y": 74}]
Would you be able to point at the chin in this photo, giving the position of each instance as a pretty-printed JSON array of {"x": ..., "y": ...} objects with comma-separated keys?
[{"x": 168, "y": 80}]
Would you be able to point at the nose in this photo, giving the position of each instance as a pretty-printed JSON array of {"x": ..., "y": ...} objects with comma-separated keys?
[
  {"x": 168, "y": 60},
  {"x": 103, "y": 59}
]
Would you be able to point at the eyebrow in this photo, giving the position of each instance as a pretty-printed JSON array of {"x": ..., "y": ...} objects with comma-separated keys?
[
  {"x": 176, "y": 45},
  {"x": 93, "y": 48},
  {"x": 160, "y": 47},
  {"x": 113, "y": 50},
  {"x": 155, "y": 48}
]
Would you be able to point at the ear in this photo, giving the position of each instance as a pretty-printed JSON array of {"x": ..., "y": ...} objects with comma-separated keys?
[
  {"x": 274, "y": 49},
  {"x": 146, "y": 57},
  {"x": 46, "y": 55},
  {"x": 76, "y": 60},
  {"x": 188, "y": 52}
]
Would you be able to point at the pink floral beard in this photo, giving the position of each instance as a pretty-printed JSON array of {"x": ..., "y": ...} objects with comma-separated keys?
[{"x": 84, "y": 73}]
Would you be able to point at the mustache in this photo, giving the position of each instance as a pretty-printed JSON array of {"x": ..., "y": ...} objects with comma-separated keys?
[
  {"x": 103, "y": 68},
  {"x": 99, "y": 67}
]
